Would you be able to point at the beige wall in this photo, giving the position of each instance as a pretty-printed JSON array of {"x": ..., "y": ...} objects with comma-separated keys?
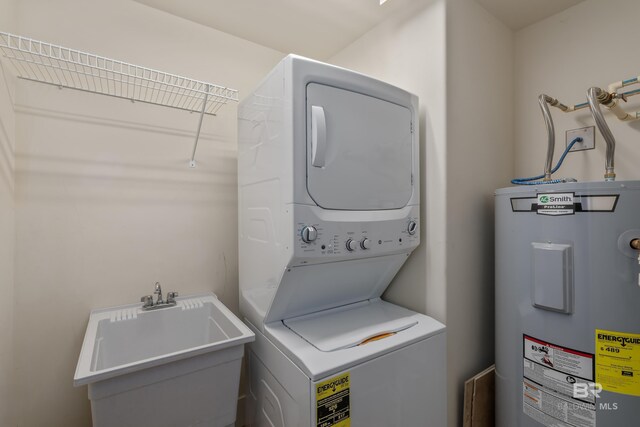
[
  {"x": 408, "y": 50},
  {"x": 106, "y": 205},
  {"x": 479, "y": 160},
  {"x": 105, "y": 201},
  {"x": 7, "y": 227},
  {"x": 591, "y": 44},
  {"x": 459, "y": 61}
]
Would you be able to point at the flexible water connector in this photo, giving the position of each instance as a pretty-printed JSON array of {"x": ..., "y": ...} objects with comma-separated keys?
[
  {"x": 535, "y": 180},
  {"x": 596, "y": 96},
  {"x": 544, "y": 101},
  {"x": 518, "y": 181}
]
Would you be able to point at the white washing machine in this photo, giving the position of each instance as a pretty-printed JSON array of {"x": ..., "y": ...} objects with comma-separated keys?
[{"x": 328, "y": 175}]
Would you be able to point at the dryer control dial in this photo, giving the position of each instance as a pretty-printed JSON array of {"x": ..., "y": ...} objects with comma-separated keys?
[
  {"x": 412, "y": 227},
  {"x": 365, "y": 243},
  {"x": 309, "y": 234},
  {"x": 351, "y": 245}
]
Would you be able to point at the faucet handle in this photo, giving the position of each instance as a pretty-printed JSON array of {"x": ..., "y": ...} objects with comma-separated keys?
[
  {"x": 147, "y": 300},
  {"x": 171, "y": 297}
]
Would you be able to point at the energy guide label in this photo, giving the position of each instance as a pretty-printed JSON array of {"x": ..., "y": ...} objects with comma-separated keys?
[
  {"x": 333, "y": 402},
  {"x": 550, "y": 372},
  {"x": 618, "y": 367}
]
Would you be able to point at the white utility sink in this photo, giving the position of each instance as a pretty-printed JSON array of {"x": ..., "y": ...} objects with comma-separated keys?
[{"x": 175, "y": 366}]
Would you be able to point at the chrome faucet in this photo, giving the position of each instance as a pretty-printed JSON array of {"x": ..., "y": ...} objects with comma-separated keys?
[
  {"x": 158, "y": 292},
  {"x": 148, "y": 303}
]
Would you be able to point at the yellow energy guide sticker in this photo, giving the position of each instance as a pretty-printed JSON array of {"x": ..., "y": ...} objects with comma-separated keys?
[
  {"x": 618, "y": 362},
  {"x": 333, "y": 408}
]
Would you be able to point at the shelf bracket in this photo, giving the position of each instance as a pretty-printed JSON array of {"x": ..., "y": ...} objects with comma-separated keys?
[{"x": 192, "y": 162}]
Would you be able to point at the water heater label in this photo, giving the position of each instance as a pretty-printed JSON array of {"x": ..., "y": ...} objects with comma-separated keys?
[
  {"x": 333, "y": 407},
  {"x": 618, "y": 362},
  {"x": 555, "y": 204},
  {"x": 550, "y": 372}
]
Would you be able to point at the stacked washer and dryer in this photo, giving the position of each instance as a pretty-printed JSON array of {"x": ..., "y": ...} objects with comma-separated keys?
[{"x": 328, "y": 171}]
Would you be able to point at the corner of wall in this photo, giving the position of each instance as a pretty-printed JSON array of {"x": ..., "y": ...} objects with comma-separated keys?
[
  {"x": 479, "y": 160},
  {"x": 8, "y": 18}
]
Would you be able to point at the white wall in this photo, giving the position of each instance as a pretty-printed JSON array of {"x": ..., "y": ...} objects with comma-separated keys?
[
  {"x": 105, "y": 202},
  {"x": 106, "y": 205},
  {"x": 459, "y": 60},
  {"x": 408, "y": 50},
  {"x": 479, "y": 160},
  {"x": 591, "y": 44},
  {"x": 7, "y": 226}
]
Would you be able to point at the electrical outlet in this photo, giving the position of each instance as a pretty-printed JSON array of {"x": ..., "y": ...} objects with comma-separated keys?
[{"x": 588, "y": 136}]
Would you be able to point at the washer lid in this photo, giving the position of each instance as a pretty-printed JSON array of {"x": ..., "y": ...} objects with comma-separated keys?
[
  {"x": 359, "y": 150},
  {"x": 351, "y": 325}
]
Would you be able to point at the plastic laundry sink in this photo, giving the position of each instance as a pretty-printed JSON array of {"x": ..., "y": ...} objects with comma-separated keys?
[{"x": 139, "y": 363}]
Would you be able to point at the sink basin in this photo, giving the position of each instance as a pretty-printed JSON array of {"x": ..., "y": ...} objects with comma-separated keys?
[{"x": 187, "y": 356}]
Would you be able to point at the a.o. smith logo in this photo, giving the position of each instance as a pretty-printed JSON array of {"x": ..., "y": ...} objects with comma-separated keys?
[
  {"x": 555, "y": 200},
  {"x": 555, "y": 204}
]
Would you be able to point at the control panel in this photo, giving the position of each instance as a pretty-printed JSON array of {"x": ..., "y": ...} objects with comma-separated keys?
[{"x": 321, "y": 240}]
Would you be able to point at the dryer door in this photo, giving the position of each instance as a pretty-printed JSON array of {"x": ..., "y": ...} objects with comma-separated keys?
[{"x": 359, "y": 150}]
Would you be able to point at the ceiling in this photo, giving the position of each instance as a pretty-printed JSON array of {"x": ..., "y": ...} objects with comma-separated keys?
[
  {"x": 518, "y": 14},
  {"x": 321, "y": 28},
  {"x": 315, "y": 28}
]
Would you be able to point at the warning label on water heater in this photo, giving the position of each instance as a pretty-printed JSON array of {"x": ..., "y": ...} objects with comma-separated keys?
[
  {"x": 550, "y": 372},
  {"x": 555, "y": 204},
  {"x": 333, "y": 408},
  {"x": 618, "y": 367}
]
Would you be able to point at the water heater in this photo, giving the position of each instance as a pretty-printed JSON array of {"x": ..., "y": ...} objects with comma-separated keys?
[{"x": 568, "y": 305}]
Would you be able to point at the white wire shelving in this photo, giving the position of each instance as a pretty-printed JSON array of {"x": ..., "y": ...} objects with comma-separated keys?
[{"x": 68, "y": 68}]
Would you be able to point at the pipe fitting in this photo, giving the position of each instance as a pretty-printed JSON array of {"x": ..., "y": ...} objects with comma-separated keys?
[
  {"x": 559, "y": 105},
  {"x": 594, "y": 95},
  {"x": 554, "y": 102},
  {"x": 605, "y": 97},
  {"x": 614, "y": 106}
]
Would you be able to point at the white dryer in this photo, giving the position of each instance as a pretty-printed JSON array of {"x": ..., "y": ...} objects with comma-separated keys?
[{"x": 328, "y": 175}]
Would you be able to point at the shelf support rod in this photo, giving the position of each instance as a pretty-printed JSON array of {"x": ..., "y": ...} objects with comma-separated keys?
[{"x": 192, "y": 163}]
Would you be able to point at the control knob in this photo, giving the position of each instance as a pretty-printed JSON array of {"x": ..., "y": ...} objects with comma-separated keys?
[
  {"x": 412, "y": 227},
  {"x": 309, "y": 234},
  {"x": 351, "y": 245},
  {"x": 365, "y": 243}
]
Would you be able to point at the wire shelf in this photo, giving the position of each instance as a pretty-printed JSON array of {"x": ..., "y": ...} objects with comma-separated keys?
[{"x": 63, "y": 67}]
